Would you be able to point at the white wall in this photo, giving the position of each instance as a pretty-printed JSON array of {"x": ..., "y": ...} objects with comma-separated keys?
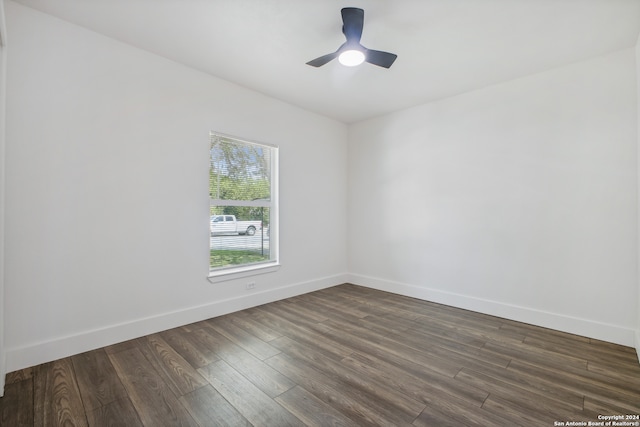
[
  {"x": 518, "y": 200},
  {"x": 107, "y": 191},
  {"x": 3, "y": 61},
  {"x": 638, "y": 104}
]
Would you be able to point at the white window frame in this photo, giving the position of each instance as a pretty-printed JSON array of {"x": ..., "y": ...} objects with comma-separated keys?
[{"x": 247, "y": 270}]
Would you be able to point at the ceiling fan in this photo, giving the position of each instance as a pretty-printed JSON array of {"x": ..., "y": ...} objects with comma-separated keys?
[{"x": 351, "y": 52}]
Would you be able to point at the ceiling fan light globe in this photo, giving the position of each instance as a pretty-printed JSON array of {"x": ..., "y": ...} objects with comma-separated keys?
[{"x": 351, "y": 58}]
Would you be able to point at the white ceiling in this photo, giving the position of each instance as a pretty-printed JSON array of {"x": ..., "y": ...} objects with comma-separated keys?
[{"x": 444, "y": 47}]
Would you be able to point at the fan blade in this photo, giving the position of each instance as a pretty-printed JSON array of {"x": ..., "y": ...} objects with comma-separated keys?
[
  {"x": 379, "y": 58},
  {"x": 352, "y": 23},
  {"x": 318, "y": 62}
]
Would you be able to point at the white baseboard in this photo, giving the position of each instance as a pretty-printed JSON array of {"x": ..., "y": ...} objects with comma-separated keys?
[
  {"x": 32, "y": 355},
  {"x": 559, "y": 322}
]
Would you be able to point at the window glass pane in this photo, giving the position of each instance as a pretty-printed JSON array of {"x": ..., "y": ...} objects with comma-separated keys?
[
  {"x": 239, "y": 171},
  {"x": 243, "y": 241}
]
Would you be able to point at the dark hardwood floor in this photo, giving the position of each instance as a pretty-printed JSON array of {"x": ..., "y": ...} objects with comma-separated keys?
[{"x": 346, "y": 355}]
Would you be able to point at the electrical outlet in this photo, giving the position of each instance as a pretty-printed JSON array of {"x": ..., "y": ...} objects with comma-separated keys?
[{"x": 251, "y": 285}]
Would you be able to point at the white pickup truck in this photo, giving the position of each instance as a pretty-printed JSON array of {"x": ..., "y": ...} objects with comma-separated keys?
[{"x": 227, "y": 224}]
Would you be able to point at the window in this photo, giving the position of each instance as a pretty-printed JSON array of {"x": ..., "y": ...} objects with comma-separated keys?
[{"x": 243, "y": 206}]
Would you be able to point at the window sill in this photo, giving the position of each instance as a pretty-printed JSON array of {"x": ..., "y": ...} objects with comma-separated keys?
[{"x": 240, "y": 272}]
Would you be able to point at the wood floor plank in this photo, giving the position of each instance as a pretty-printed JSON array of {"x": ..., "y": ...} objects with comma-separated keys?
[
  {"x": 422, "y": 385},
  {"x": 406, "y": 343},
  {"x": 56, "y": 398},
  {"x": 528, "y": 383},
  {"x": 336, "y": 303},
  {"x": 455, "y": 331},
  {"x": 20, "y": 375},
  {"x": 125, "y": 345},
  {"x": 574, "y": 344},
  {"x": 263, "y": 376},
  {"x": 419, "y": 310},
  {"x": 177, "y": 373},
  {"x": 516, "y": 414},
  {"x": 311, "y": 410},
  {"x": 258, "y": 408},
  {"x": 254, "y": 345},
  {"x": 374, "y": 301},
  {"x": 621, "y": 375},
  {"x": 393, "y": 351},
  {"x": 598, "y": 354},
  {"x": 615, "y": 347},
  {"x": 322, "y": 344},
  {"x": 329, "y": 310},
  {"x": 356, "y": 406},
  {"x": 249, "y": 323},
  {"x": 466, "y": 318},
  {"x": 400, "y": 403},
  {"x": 433, "y": 417},
  {"x": 626, "y": 368},
  {"x": 116, "y": 413},
  {"x": 97, "y": 380},
  {"x": 209, "y": 408},
  {"x": 154, "y": 402},
  {"x": 462, "y": 318},
  {"x": 594, "y": 407},
  {"x": 300, "y": 311},
  {"x": 526, "y": 352},
  {"x": 360, "y": 304},
  {"x": 456, "y": 413},
  {"x": 516, "y": 394},
  {"x": 193, "y": 351},
  {"x": 538, "y": 331},
  {"x": 16, "y": 407},
  {"x": 463, "y": 348},
  {"x": 592, "y": 380},
  {"x": 386, "y": 325},
  {"x": 580, "y": 383},
  {"x": 293, "y": 317}
]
